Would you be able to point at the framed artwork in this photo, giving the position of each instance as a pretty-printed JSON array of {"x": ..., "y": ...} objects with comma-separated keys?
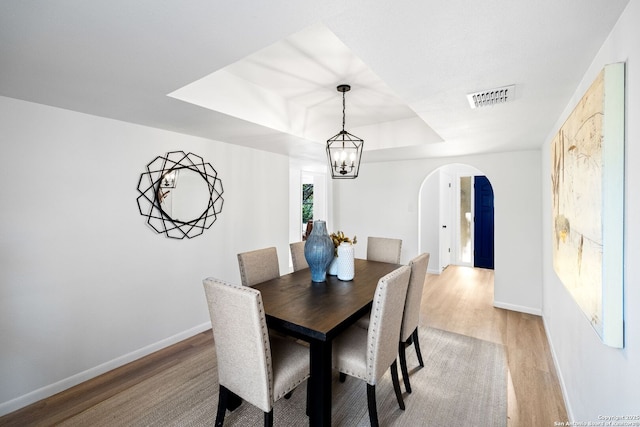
[{"x": 587, "y": 178}]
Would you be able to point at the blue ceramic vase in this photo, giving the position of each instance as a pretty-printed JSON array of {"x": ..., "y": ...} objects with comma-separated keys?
[{"x": 318, "y": 251}]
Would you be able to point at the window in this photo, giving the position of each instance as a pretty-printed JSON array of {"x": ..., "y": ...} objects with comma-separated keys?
[{"x": 307, "y": 205}]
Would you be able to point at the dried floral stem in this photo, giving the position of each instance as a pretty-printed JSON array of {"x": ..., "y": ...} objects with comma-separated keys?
[{"x": 339, "y": 237}]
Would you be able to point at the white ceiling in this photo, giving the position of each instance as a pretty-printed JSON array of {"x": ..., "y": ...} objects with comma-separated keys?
[{"x": 264, "y": 74}]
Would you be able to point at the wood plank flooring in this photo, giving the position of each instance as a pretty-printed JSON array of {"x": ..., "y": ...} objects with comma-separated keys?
[{"x": 459, "y": 300}]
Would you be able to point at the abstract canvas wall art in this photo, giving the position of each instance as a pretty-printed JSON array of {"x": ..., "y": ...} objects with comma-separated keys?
[{"x": 587, "y": 177}]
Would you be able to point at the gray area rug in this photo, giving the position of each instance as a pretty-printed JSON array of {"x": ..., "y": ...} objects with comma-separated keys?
[{"x": 463, "y": 383}]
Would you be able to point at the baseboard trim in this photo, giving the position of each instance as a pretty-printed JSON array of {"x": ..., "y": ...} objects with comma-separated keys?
[
  {"x": 519, "y": 308},
  {"x": 563, "y": 387},
  {"x": 64, "y": 384}
]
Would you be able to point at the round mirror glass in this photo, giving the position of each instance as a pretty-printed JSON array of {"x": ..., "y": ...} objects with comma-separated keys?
[{"x": 183, "y": 195}]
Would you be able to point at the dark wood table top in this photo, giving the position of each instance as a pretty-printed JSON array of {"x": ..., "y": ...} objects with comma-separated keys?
[{"x": 296, "y": 305}]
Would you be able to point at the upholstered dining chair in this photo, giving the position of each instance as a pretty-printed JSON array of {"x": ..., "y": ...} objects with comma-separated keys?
[
  {"x": 381, "y": 249},
  {"x": 384, "y": 249},
  {"x": 258, "y": 266},
  {"x": 297, "y": 256},
  {"x": 411, "y": 314},
  {"x": 368, "y": 353},
  {"x": 251, "y": 364}
]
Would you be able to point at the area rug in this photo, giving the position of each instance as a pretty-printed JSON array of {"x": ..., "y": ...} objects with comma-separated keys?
[{"x": 463, "y": 383}]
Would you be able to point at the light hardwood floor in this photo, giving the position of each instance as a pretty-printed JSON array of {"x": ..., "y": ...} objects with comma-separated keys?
[{"x": 459, "y": 300}]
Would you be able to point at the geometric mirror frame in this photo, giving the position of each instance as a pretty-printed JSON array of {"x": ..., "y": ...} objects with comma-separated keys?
[{"x": 180, "y": 195}]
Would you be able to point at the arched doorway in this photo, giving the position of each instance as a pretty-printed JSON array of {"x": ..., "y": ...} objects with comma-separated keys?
[{"x": 449, "y": 228}]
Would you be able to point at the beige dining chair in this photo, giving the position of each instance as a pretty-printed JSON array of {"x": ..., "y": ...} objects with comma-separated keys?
[
  {"x": 297, "y": 256},
  {"x": 258, "y": 266},
  {"x": 384, "y": 249},
  {"x": 381, "y": 249},
  {"x": 368, "y": 353},
  {"x": 252, "y": 365},
  {"x": 411, "y": 314}
]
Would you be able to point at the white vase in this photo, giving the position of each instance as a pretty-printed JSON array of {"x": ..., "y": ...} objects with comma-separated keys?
[
  {"x": 333, "y": 267},
  {"x": 346, "y": 263}
]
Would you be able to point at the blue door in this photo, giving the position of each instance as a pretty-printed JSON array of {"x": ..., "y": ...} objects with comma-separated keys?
[{"x": 483, "y": 229}]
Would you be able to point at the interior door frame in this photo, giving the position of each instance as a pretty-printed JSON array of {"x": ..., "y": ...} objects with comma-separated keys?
[
  {"x": 446, "y": 219},
  {"x": 458, "y": 207}
]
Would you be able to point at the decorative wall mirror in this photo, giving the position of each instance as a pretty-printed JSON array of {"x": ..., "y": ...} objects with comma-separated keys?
[{"x": 180, "y": 195}]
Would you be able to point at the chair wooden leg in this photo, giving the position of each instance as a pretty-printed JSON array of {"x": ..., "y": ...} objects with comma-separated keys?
[
  {"x": 403, "y": 365},
  {"x": 268, "y": 419},
  {"x": 396, "y": 384},
  {"x": 416, "y": 344},
  {"x": 223, "y": 395},
  {"x": 371, "y": 402},
  {"x": 342, "y": 377}
]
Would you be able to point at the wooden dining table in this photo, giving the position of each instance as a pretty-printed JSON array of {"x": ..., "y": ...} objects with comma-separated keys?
[{"x": 317, "y": 313}]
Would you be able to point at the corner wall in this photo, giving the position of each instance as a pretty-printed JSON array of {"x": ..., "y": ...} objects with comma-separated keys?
[{"x": 599, "y": 381}]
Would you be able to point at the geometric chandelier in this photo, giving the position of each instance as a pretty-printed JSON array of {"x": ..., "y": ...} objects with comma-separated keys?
[{"x": 344, "y": 150}]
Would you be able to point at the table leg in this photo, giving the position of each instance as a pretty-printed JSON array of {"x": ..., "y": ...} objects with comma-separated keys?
[{"x": 320, "y": 383}]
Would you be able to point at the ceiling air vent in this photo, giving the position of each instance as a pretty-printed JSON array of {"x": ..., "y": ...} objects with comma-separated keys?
[{"x": 491, "y": 97}]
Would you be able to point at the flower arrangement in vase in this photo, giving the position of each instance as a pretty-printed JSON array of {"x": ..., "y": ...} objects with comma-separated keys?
[{"x": 339, "y": 238}]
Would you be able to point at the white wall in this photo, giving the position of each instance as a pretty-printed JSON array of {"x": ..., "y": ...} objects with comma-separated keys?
[
  {"x": 598, "y": 380},
  {"x": 85, "y": 284},
  {"x": 429, "y": 220},
  {"x": 383, "y": 201}
]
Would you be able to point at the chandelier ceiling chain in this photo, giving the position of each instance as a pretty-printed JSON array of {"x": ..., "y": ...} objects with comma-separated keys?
[
  {"x": 344, "y": 150},
  {"x": 344, "y": 108}
]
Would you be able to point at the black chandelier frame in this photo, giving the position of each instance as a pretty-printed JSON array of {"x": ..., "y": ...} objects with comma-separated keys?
[{"x": 344, "y": 150}]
